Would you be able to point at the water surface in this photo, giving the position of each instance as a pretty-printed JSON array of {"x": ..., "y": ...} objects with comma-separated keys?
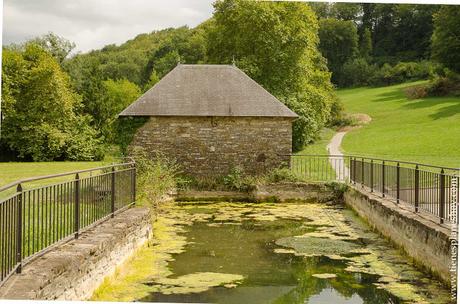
[{"x": 268, "y": 253}]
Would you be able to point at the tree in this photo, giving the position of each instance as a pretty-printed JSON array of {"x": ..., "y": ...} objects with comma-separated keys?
[
  {"x": 275, "y": 43},
  {"x": 365, "y": 44},
  {"x": 57, "y": 46},
  {"x": 118, "y": 95},
  {"x": 338, "y": 43},
  {"x": 40, "y": 109},
  {"x": 446, "y": 37},
  {"x": 346, "y": 11}
]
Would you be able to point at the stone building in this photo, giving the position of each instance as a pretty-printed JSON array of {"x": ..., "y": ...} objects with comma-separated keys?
[{"x": 212, "y": 118}]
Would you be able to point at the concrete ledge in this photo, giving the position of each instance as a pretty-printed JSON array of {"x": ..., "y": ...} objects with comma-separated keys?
[
  {"x": 277, "y": 192},
  {"x": 425, "y": 241},
  {"x": 73, "y": 271},
  {"x": 291, "y": 192},
  {"x": 216, "y": 196}
]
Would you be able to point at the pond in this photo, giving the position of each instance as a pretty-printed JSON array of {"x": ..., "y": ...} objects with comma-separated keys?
[{"x": 268, "y": 253}]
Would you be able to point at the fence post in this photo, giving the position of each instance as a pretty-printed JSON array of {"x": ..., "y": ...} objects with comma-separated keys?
[
  {"x": 354, "y": 170},
  {"x": 372, "y": 175},
  {"x": 77, "y": 206},
  {"x": 442, "y": 195},
  {"x": 134, "y": 182},
  {"x": 19, "y": 229},
  {"x": 417, "y": 187},
  {"x": 383, "y": 178},
  {"x": 113, "y": 192},
  {"x": 362, "y": 172},
  {"x": 398, "y": 185}
]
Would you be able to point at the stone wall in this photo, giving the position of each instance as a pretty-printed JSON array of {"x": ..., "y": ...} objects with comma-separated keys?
[
  {"x": 212, "y": 146},
  {"x": 425, "y": 241},
  {"x": 73, "y": 271}
]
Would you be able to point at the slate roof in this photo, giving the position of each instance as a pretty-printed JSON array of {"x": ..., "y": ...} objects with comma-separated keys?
[{"x": 207, "y": 90}]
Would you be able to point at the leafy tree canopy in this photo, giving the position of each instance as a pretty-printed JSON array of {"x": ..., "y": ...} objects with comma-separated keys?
[
  {"x": 40, "y": 109},
  {"x": 446, "y": 37},
  {"x": 276, "y": 43},
  {"x": 338, "y": 43}
]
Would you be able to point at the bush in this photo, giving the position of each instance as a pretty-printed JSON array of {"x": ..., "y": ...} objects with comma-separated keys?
[
  {"x": 416, "y": 92},
  {"x": 281, "y": 175},
  {"x": 356, "y": 72},
  {"x": 125, "y": 128},
  {"x": 156, "y": 175},
  {"x": 237, "y": 180},
  {"x": 443, "y": 86},
  {"x": 405, "y": 71}
]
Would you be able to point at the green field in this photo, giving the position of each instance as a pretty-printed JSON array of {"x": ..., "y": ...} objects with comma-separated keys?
[
  {"x": 13, "y": 171},
  {"x": 423, "y": 130}
]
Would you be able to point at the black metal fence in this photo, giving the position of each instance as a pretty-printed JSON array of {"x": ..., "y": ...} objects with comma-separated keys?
[
  {"x": 423, "y": 187},
  {"x": 34, "y": 218},
  {"x": 321, "y": 167}
]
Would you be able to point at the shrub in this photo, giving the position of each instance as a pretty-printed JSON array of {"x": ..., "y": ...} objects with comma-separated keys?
[
  {"x": 356, "y": 72},
  {"x": 281, "y": 175},
  {"x": 125, "y": 128},
  {"x": 237, "y": 180},
  {"x": 416, "y": 92},
  {"x": 405, "y": 71},
  {"x": 156, "y": 175},
  {"x": 443, "y": 86},
  {"x": 338, "y": 189}
]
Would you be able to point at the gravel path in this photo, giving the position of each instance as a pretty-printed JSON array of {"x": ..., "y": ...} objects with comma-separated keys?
[{"x": 337, "y": 162}]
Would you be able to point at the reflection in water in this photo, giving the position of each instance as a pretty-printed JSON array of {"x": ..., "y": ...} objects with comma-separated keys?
[
  {"x": 329, "y": 295},
  {"x": 269, "y": 253}
]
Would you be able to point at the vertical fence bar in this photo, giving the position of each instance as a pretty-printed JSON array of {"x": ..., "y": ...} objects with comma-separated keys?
[
  {"x": 354, "y": 170},
  {"x": 442, "y": 195},
  {"x": 372, "y": 176},
  {"x": 417, "y": 187},
  {"x": 134, "y": 182},
  {"x": 398, "y": 182},
  {"x": 77, "y": 206},
  {"x": 113, "y": 193},
  {"x": 383, "y": 178},
  {"x": 19, "y": 229},
  {"x": 362, "y": 172}
]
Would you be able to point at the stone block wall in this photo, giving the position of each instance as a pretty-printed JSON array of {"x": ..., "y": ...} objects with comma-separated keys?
[
  {"x": 212, "y": 146},
  {"x": 72, "y": 271},
  {"x": 425, "y": 241}
]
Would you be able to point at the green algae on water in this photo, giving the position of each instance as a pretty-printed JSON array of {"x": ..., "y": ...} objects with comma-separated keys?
[{"x": 227, "y": 252}]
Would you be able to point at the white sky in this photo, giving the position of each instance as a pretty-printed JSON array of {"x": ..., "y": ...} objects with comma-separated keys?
[{"x": 91, "y": 24}]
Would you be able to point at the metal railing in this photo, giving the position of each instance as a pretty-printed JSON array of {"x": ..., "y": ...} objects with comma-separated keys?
[
  {"x": 422, "y": 187},
  {"x": 34, "y": 218},
  {"x": 321, "y": 167}
]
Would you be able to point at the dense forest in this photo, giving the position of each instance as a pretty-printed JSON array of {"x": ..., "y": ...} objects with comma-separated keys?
[{"x": 57, "y": 106}]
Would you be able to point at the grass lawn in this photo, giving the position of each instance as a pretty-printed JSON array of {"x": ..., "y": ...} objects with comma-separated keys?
[
  {"x": 12, "y": 171},
  {"x": 320, "y": 145},
  {"x": 423, "y": 130},
  {"x": 315, "y": 168}
]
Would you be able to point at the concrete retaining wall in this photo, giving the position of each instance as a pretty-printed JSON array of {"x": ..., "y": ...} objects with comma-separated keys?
[
  {"x": 277, "y": 192},
  {"x": 73, "y": 271},
  {"x": 425, "y": 241}
]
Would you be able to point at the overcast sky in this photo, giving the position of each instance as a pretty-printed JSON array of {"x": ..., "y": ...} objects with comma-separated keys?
[{"x": 91, "y": 24}]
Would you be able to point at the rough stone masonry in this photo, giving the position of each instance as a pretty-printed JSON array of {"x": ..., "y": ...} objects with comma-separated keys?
[
  {"x": 212, "y": 146},
  {"x": 212, "y": 118}
]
